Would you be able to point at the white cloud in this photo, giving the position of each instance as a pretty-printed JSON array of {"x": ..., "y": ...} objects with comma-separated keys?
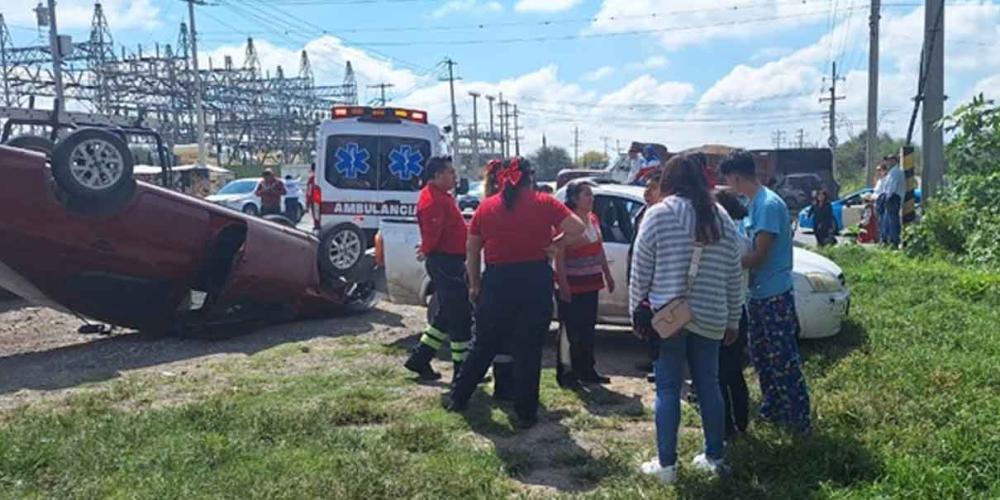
[
  {"x": 74, "y": 14},
  {"x": 599, "y": 73},
  {"x": 545, "y": 5},
  {"x": 466, "y": 6},
  {"x": 769, "y": 53},
  {"x": 654, "y": 62},
  {"x": 678, "y": 24}
]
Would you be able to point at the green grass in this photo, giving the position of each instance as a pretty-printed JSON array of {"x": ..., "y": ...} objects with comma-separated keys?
[{"x": 906, "y": 405}]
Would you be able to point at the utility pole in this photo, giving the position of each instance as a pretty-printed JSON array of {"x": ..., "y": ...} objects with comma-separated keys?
[
  {"x": 832, "y": 141},
  {"x": 455, "y": 153},
  {"x": 382, "y": 86},
  {"x": 618, "y": 146},
  {"x": 503, "y": 133},
  {"x": 475, "y": 129},
  {"x": 576, "y": 146},
  {"x": 933, "y": 95},
  {"x": 48, "y": 14},
  {"x": 802, "y": 138},
  {"x": 779, "y": 138},
  {"x": 606, "y": 139},
  {"x": 492, "y": 140},
  {"x": 517, "y": 134},
  {"x": 871, "y": 147},
  {"x": 202, "y": 151}
]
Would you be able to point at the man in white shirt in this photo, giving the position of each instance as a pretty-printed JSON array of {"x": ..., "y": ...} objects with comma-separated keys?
[
  {"x": 894, "y": 188},
  {"x": 633, "y": 163},
  {"x": 292, "y": 195}
]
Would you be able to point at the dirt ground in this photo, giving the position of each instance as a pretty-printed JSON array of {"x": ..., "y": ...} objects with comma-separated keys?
[{"x": 42, "y": 355}]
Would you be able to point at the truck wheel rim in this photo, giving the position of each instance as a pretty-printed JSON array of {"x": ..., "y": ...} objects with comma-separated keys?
[
  {"x": 96, "y": 164},
  {"x": 345, "y": 249}
]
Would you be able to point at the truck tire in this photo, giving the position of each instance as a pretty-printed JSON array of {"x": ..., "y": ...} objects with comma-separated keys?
[
  {"x": 280, "y": 220},
  {"x": 341, "y": 250},
  {"x": 93, "y": 165},
  {"x": 33, "y": 143}
]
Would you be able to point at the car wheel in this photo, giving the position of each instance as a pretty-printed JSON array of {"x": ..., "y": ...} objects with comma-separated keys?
[
  {"x": 280, "y": 220},
  {"x": 32, "y": 142},
  {"x": 341, "y": 250},
  {"x": 92, "y": 164},
  {"x": 250, "y": 209},
  {"x": 362, "y": 299}
]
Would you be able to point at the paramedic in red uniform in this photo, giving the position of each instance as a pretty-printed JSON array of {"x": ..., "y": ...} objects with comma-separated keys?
[
  {"x": 442, "y": 246},
  {"x": 514, "y": 297}
]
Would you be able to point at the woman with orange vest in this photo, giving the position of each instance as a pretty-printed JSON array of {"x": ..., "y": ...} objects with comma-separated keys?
[{"x": 582, "y": 271}]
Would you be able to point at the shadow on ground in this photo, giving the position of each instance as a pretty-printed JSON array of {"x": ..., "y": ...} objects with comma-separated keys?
[
  {"x": 545, "y": 456},
  {"x": 103, "y": 359},
  {"x": 820, "y": 355},
  {"x": 780, "y": 466}
]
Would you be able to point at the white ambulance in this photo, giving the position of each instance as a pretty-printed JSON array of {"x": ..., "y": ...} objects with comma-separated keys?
[{"x": 369, "y": 162}]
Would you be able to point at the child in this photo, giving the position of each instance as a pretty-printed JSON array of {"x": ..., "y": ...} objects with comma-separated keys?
[{"x": 732, "y": 357}]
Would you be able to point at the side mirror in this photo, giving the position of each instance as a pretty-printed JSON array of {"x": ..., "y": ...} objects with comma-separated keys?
[{"x": 463, "y": 187}]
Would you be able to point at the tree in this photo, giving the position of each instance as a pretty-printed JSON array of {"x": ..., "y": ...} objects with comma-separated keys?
[
  {"x": 593, "y": 159},
  {"x": 850, "y": 158},
  {"x": 548, "y": 161},
  {"x": 976, "y": 141}
]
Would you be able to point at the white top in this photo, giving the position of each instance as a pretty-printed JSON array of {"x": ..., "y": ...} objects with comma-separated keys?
[
  {"x": 895, "y": 182},
  {"x": 293, "y": 189}
]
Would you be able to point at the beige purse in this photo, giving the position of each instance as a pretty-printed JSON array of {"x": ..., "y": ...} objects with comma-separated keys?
[{"x": 670, "y": 319}]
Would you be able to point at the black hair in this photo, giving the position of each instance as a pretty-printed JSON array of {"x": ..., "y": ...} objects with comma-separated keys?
[
  {"x": 684, "y": 176},
  {"x": 739, "y": 162},
  {"x": 510, "y": 192},
  {"x": 435, "y": 166},
  {"x": 574, "y": 190},
  {"x": 732, "y": 204}
]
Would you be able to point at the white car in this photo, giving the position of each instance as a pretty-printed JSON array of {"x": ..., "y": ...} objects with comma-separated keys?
[
  {"x": 239, "y": 195},
  {"x": 821, "y": 295}
]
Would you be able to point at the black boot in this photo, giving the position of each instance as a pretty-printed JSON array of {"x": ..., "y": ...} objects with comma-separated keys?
[
  {"x": 420, "y": 363},
  {"x": 594, "y": 377}
]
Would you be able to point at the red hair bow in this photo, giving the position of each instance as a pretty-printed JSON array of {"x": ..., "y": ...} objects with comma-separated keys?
[{"x": 510, "y": 175}]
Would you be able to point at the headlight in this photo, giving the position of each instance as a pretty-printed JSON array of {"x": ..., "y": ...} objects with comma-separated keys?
[{"x": 823, "y": 282}]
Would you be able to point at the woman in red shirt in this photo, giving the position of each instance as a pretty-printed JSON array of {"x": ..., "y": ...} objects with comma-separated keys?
[
  {"x": 513, "y": 230},
  {"x": 582, "y": 271}
]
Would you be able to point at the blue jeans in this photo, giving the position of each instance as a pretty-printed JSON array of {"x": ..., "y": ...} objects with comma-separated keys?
[{"x": 702, "y": 355}]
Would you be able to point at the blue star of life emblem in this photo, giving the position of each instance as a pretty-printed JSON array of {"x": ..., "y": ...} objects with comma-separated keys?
[
  {"x": 352, "y": 160},
  {"x": 406, "y": 163}
]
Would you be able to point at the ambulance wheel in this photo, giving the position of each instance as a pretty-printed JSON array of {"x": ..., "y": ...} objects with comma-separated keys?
[
  {"x": 93, "y": 164},
  {"x": 341, "y": 249},
  {"x": 33, "y": 143}
]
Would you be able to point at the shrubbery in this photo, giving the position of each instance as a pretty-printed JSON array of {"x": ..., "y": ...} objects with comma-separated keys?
[{"x": 963, "y": 222}]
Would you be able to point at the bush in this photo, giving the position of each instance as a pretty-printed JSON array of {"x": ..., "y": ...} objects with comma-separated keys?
[{"x": 963, "y": 221}]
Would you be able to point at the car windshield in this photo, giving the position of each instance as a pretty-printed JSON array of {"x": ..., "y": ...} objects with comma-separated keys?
[{"x": 239, "y": 187}]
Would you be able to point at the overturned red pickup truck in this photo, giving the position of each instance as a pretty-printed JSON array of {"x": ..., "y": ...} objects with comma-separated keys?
[{"x": 80, "y": 234}]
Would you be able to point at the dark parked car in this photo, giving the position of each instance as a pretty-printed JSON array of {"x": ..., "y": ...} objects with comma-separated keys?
[
  {"x": 797, "y": 189},
  {"x": 80, "y": 234}
]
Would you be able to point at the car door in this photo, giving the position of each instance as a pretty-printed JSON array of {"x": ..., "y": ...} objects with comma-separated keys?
[{"x": 616, "y": 215}]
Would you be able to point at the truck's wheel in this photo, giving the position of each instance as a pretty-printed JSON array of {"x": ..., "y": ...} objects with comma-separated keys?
[
  {"x": 280, "y": 219},
  {"x": 32, "y": 142},
  {"x": 92, "y": 164},
  {"x": 341, "y": 249},
  {"x": 363, "y": 298}
]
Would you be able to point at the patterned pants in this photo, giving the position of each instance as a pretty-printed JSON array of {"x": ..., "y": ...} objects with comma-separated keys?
[{"x": 772, "y": 329}]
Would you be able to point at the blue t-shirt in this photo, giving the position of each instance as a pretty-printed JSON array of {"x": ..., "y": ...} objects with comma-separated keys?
[{"x": 769, "y": 214}]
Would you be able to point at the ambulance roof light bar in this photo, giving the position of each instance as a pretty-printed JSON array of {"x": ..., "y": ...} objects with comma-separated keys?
[{"x": 345, "y": 112}]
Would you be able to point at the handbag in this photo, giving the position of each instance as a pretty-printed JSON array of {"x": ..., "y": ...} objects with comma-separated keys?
[{"x": 670, "y": 319}]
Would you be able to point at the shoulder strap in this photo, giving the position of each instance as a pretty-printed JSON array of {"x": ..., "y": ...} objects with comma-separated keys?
[{"x": 699, "y": 248}]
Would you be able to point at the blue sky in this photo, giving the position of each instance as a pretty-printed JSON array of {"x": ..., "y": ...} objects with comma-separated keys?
[{"x": 681, "y": 73}]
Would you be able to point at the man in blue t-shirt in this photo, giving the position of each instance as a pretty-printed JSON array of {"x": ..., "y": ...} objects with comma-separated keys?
[{"x": 772, "y": 322}]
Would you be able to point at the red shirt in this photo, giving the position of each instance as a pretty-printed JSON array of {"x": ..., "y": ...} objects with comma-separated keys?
[
  {"x": 521, "y": 234},
  {"x": 442, "y": 228},
  {"x": 270, "y": 192}
]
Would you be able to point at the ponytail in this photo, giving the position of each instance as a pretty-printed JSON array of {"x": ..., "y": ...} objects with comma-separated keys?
[{"x": 512, "y": 178}]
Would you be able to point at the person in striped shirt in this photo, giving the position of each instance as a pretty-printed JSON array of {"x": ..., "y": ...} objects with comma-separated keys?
[
  {"x": 686, "y": 218},
  {"x": 582, "y": 272}
]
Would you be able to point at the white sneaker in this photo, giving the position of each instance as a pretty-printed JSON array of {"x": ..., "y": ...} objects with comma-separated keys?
[
  {"x": 666, "y": 475},
  {"x": 710, "y": 465}
]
